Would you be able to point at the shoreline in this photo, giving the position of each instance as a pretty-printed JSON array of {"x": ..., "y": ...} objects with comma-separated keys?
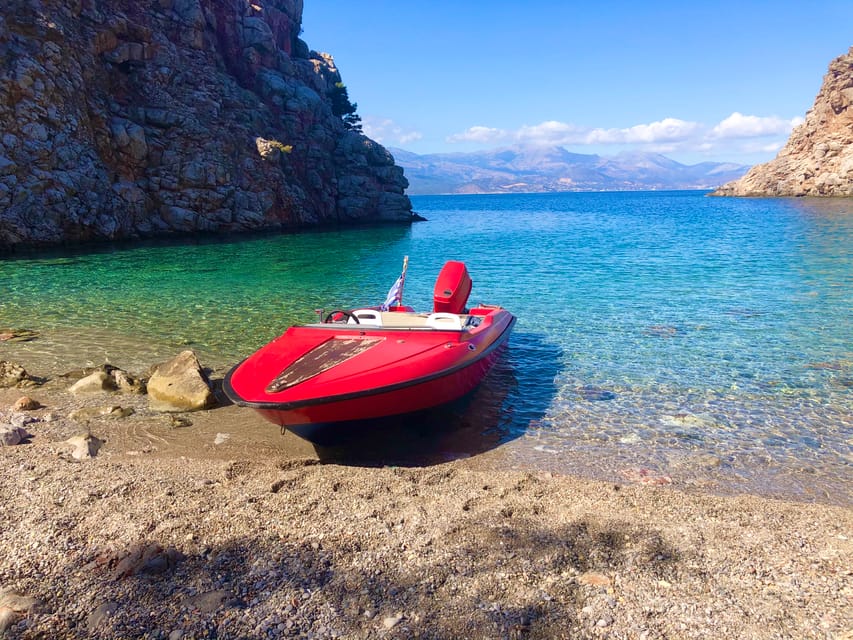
[{"x": 212, "y": 524}]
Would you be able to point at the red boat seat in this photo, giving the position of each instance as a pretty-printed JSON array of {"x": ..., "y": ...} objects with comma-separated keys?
[{"x": 452, "y": 288}]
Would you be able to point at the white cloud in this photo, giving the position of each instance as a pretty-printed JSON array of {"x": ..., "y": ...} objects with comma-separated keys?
[
  {"x": 666, "y": 130},
  {"x": 550, "y": 132},
  {"x": 553, "y": 132},
  {"x": 386, "y": 131},
  {"x": 479, "y": 134},
  {"x": 738, "y": 125},
  {"x": 736, "y": 137}
]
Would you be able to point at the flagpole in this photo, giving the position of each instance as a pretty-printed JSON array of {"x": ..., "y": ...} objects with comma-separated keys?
[{"x": 403, "y": 277}]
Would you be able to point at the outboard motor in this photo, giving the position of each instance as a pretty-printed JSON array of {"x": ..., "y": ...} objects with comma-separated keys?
[{"x": 452, "y": 288}]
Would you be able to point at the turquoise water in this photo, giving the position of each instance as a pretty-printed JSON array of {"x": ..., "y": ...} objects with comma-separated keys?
[{"x": 660, "y": 335}]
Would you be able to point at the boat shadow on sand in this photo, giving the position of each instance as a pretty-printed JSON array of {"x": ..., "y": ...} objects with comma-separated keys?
[{"x": 515, "y": 393}]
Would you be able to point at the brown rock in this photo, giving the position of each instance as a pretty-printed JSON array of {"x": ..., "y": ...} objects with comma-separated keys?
[
  {"x": 25, "y": 403},
  {"x": 818, "y": 158}
]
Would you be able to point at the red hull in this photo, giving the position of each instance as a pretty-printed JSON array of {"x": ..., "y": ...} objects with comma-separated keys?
[{"x": 393, "y": 363}]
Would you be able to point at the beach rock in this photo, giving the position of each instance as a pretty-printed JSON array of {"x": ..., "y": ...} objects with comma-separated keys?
[
  {"x": 13, "y": 604},
  {"x": 210, "y": 601},
  {"x": 818, "y": 157},
  {"x": 88, "y": 413},
  {"x": 180, "y": 384},
  {"x": 389, "y": 622},
  {"x": 594, "y": 579},
  {"x": 146, "y": 558},
  {"x": 11, "y": 374},
  {"x": 646, "y": 477},
  {"x": 101, "y": 615},
  {"x": 19, "y": 602},
  {"x": 97, "y": 382},
  {"x": 25, "y": 403},
  {"x": 7, "y": 619},
  {"x": 85, "y": 446},
  {"x": 127, "y": 383},
  {"x": 11, "y": 435}
]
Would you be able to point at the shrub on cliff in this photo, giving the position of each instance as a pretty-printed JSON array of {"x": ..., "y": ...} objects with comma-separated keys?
[{"x": 343, "y": 108}]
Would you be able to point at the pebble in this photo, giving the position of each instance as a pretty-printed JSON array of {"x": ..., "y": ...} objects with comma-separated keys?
[
  {"x": 25, "y": 403},
  {"x": 389, "y": 622}
]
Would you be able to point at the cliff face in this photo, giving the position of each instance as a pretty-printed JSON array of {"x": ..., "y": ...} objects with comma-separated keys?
[
  {"x": 124, "y": 119},
  {"x": 818, "y": 158}
]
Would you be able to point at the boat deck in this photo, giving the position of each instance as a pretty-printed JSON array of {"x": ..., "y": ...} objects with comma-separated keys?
[{"x": 410, "y": 320}]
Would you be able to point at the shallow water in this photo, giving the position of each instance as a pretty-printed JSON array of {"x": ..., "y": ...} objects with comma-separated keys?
[{"x": 661, "y": 335}]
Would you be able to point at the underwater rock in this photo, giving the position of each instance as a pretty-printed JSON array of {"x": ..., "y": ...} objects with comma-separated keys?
[
  {"x": 661, "y": 331},
  {"x": 11, "y": 374},
  {"x": 595, "y": 394},
  {"x": 87, "y": 413},
  {"x": 17, "y": 335}
]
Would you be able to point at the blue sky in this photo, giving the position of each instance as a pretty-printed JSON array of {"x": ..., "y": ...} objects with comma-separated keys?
[{"x": 721, "y": 81}]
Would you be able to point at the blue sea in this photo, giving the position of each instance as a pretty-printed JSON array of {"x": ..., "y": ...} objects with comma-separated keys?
[{"x": 661, "y": 336}]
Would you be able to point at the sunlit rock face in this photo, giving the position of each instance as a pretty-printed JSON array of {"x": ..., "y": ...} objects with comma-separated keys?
[
  {"x": 818, "y": 158},
  {"x": 130, "y": 119}
]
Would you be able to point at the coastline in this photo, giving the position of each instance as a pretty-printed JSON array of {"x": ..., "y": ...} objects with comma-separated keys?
[{"x": 212, "y": 524}]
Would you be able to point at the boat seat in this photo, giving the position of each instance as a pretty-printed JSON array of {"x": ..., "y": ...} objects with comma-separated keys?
[
  {"x": 442, "y": 320},
  {"x": 370, "y": 317}
]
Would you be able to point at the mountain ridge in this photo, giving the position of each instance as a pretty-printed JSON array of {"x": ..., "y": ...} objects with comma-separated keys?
[{"x": 526, "y": 168}]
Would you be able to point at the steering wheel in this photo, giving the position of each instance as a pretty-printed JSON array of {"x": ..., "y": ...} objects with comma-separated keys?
[{"x": 340, "y": 316}]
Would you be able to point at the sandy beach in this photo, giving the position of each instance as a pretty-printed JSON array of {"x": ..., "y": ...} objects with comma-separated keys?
[{"x": 213, "y": 525}]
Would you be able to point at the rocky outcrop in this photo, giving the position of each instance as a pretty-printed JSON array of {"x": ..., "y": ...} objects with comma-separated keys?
[
  {"x": 123, "y": 119},
  {"x": 818, "y": 158}
]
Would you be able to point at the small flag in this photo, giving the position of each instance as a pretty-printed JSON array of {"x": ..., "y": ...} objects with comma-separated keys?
[{"x": 395, "y": 293}]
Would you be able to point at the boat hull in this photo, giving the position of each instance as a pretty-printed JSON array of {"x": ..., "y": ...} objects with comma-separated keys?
[
  {"x": 397, "y": 371},
  {"x": 407, "y": 398}
]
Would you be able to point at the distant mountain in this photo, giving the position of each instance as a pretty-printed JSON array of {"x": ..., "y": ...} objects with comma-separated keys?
[{"x": 536, "y": 169}]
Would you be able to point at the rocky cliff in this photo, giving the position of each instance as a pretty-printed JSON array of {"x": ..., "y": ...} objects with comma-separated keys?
[
  {"x": 818, "y": 158},
  {"x": 127, "y": 119}
]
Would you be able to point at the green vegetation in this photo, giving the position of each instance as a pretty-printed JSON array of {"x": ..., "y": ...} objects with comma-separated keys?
[
  {"x": 342, "y": 107},
  {"x": 284, "y": 148}
]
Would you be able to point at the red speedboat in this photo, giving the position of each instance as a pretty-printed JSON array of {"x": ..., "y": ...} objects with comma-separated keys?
[{"x": 370, "y": 363}]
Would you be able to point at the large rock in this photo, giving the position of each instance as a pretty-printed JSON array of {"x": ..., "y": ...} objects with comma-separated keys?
[
  {"x": 127, "y": 119},
  {"x": 818, "y": 158},
  {"x": 180, "y": 385}
]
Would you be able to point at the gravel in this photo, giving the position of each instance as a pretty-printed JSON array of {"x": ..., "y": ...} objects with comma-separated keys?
[{"x": 242, "y": 539}]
